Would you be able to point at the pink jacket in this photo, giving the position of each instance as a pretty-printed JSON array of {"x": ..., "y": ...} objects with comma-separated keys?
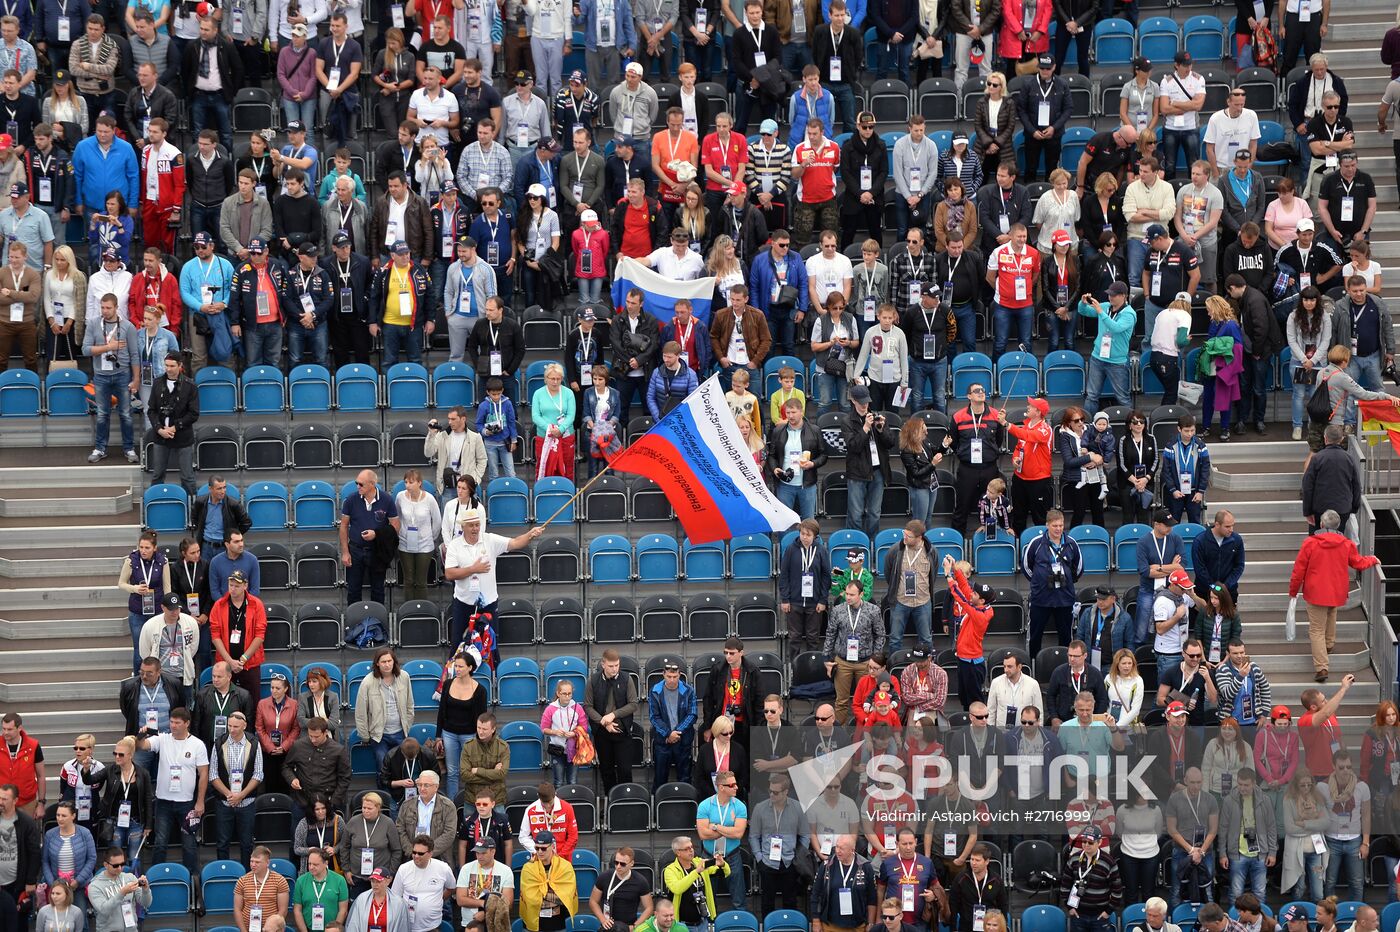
[
  {"x": 296, "y": 71},
  {"x": 598, "y": 241},
  {"x": 1009, "y": 44}
]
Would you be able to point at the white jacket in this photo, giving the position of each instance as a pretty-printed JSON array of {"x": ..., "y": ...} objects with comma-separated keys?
[{"x": 149, "y": 642}]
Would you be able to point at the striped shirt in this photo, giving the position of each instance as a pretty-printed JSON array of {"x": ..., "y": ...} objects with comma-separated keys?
[
  {"x": 1097, "y": 883},
  {"x": 769, "y": 170}
]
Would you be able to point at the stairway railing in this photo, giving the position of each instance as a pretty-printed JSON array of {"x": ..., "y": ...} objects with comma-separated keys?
[{"x": 1378, "y": 465}]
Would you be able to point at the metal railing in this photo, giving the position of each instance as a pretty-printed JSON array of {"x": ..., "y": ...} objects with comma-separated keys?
[{"x": 1380, "y": 475}]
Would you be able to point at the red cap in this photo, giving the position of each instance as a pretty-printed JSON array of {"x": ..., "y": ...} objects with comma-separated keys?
[
  {"x": 1179, "y": 578},
  {"x": 1176, "y": 708},
  {"x": 1040, "y": 404},
  {"x": 1280, "y": 711}
]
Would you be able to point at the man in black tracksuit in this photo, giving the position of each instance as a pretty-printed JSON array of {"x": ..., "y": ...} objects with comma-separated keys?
[
  {"x": 864, "y": 168},
  {"x": 976, "y": 439}
]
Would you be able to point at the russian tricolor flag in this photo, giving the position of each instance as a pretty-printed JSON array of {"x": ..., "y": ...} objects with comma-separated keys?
[
  {"x": 699, "y": 459},
  {"x": 661, "y": 292}
]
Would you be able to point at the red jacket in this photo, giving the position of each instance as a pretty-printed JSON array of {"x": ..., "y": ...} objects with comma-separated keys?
[
  {"x": 973, "y": 627},
  {"x": 170, "y": 176},
  {"x": 561, "y": 822},
  {"x": 1320, "y": 570},
  {"x": 19, "y": 769},
  {"x": 865, "y": 693},
  {"x": 255, "y": 623},
  {"x": 167, "y": 293},
  {"x": 1009, "y": 43},
  {"x": 1032, "y": 449}
]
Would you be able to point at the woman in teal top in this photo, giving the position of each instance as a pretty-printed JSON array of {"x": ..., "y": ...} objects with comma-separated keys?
[{"x": 552, "y": 409}]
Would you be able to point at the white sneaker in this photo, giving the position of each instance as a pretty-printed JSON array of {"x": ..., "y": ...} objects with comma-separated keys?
[
  {"x": 1297, "y": 433},
  {"x": 97, "y": 456}
]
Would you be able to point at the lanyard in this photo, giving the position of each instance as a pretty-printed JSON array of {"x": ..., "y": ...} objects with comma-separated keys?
[
  {"x": 1088, "y": 868},
  {"x": 846, "y": 873},
  {"x": 222, "y": 701},
  {"x": 345, "y": 214},
  {"x": 809, "y": 556},
  {"x": 1185, "y": 463},
  {"x": 258, "y": 887},
  {"x": 1194, "y": 814},
  {"x": 369, "y": 829},
  {"x": 337, "y": 50},
  {"x": 150, "y": 694},
  {"x": 344, "y": 271}
]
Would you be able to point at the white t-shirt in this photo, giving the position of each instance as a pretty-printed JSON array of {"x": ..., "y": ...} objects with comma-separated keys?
[
  {"x": 1181, "y": 90},
  {"x": 429, "y": 109},
  {"x": 1230, "y": 134},
  {"x": 460, "y": 553},
  {"x": 1370, "y": 272},
  {"x": 177, "y": 776},
  {"x": 681, "y": 268},
  {"x": 1164, "y": 330},
  {"x": 1162, "y": 608},
  {"x": 828, "y": 274},
  {"x": 473, "y": 877},
  {"x": 421, "y": 889}
]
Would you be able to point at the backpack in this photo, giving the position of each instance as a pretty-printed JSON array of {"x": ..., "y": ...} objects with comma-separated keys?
[
  {"x": 1265, "y": 50},
  {"x": 1320, "y": 403},
  {"x": 368, "y": 633}
]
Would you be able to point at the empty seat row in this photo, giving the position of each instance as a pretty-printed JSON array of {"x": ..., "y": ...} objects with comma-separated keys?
[{"x": 311, "y": 389}]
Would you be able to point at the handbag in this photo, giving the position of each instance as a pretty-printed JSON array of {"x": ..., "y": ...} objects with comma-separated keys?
[
  {"x": 1028, "y": 65},
  {"x": 1303, "y": 376},
  {"x": 833, "y": 365},
  {"x": 1189, "y": 392}
]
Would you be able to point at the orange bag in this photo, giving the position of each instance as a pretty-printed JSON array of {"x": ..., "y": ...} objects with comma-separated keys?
[{"x": 584, "y": 751}]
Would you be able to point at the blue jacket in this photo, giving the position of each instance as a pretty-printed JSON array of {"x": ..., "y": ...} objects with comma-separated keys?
[
  {"x": 483, "y": 410},
  {"x": 1217, "y": 561},
  {"x": 703, "y": 352},
  {"x": 318, "y": 285},
  {"x": 856, "y": 9},
  {"x": 1147, "y": 554},
  {"x": 656, "y": 711},
  {"x": 1073, "y": 464},
  {"x": 1119, "y": 325},
  {"x": 47, "y": 29},
  {"x": 625, "y": 32},
  {"x": 96, "y": 176},
  {"x": 84, "y": 856},
  {"x": 763, "y": 273},
  {"x": 790, "y": 575},
  {"x": 1200, "y": 469},
  {"x": 1051, "y": 750},
  {"x": 481, "y": 232},
  {"x": 1035, "y": 566},
  {"x": 663, "y": 384},
  {"x": 800, "y": 111}
]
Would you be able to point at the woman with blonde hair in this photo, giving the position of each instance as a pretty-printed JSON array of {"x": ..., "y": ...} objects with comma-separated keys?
[
  {"x": 65, "y": 306},
  {"x": 65, "y": 105},
  {"x": 125, "y": 783},
  {"x": 994, "y": 122},
  {"x": 1220, "y": 365},
  {"x": 371, "y": 829},
  {"x": 722, "y": 753},
  {"x": 1304, "y": 815},
  {"x": 1125, "y": 688},
  {"x": 395, "y": 74},
  {"x": 723, "y": 263},
  {"x": 552, "y": 408},
  {"x": 691, "y": 216},
  {"x": 1057, "y": 209}
]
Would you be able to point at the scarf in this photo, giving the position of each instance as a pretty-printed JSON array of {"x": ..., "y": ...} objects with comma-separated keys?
[
  {"x": 1342, "y": 788},
  {"x": 956, "y": 210},
  {"x": 1308, "y": 809}
]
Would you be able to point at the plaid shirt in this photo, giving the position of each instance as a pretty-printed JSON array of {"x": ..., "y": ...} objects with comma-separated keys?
[{"x": 495, "y": 165}]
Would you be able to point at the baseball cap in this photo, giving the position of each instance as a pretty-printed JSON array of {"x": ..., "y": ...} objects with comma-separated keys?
[
  {"x": 379, "y": 873},
  {"x": 238, "y": 577},
  {"x": 1156, "y": 230},
  {"x": 1176, "y": 708},
  {"x": 1305, "y": 224},
  {"x": 768, "y": 127},
  {"x": 536, "y": 190},
  {"x": 110, "y": 253},
  {"x": 1162, "y": 516},
  {"x": 171, "y": 600},
  {"x": 296, "y": 126},
  {"x": 977, "y": 51},
  {"x": 1142, "y": 64},
  {"x": 400, "y": 248},
  {"x": 19, "y": 189},
  {"x": 985, "y": 591},
  {"x": 589, "y": 216},
  {"x": 1090, "y": 833},
  {"x": 736, "y": 189},
  {"x": 448, "y": 185},
  {"x": 620, "y": 141},
  {"x": 1040, "y": 404},
  {"x": 256, "y": 245},
  {"x": 1292, "y": 913},
  {"x": 1119, "y": 288},
  {"x": 308, "y": 249},
  {"x": 1179, "y": 578},
  {"x": 341, "y": 238},
  {"x": 587, "y": 313},
  {"x": 1280, "y": 711},
  {"x": 299, "y": 30},
  {"x": 7, "y": 141},
  {"x": 1045, "y": 61},
  {"x": 634, "y": 68},
  {"x": 523, "y": 78},
  {"x": 1182, "y": 58},
  {"x": 484, "y": 843},
  {"x": 547, "y": 142},
  {"x": 959, "y": 137},
  {"x": 544, "y": 838},
  {"x": 859, "y": 393},
  {"x": 1104, "y": 592},
  {"x": 919, "y": 652},
  {"x": 203, "y": 239},
  {"x": 1060, "y": 238},
  {"x": 855, "y": 555},
  {"x": 61, "y": 76},
  {"x": 577, "y": 77},
  {"x": 466, "y": 241}
]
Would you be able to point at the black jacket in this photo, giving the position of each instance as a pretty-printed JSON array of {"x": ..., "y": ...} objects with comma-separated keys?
[
  {"x": 742, "y": 49},
  {"x": 358, "y": 280},
  {"x": 617, "y": 223},
  {"x": 178, "y": 409},
  {"x": 916, "y": 322},
  {"x": 243, "y": 298},
  {"x": 395, "y": 767},
  {"x": 790, "y": 575},
  {"x": 1028, "y": 104},
  {"x": 1060, "y": 694},
  {"x": 1261, "y": 330},
  {"x": 29, "y": 843},
  {"x": 207, "y": 709},
  {"x": 508, "y": 341},
  {"x": 963, "y": 895},
  {"x": 129, "y": 699},
  {"x": 777, "y": 451},
  {"x": 235, "y": 516},
  {"x": 852, "y": 50},
  {"x": 990, "y": 201},
  {"x": 230, "y": 66},
  {"x": 1331, "y": 483},
  {"x": 644, "y": 345},
  {"x": 107, "y": 786},
  {"x": 1083, "y": 12},
  {"x": 855, "y": 154},
  {"x": 858, "y": 465},
  {"x": 753, "y": 232},
  {"x": 713, "y": 699}
]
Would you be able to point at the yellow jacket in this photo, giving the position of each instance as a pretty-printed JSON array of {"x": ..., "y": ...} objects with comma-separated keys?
[
  {"x": 680, "y": 881},
  {"x": 535, "y": 883}
]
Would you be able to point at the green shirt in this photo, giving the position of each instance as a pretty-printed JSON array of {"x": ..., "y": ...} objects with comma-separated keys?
[
  {"x": 650, "y": 926},
  {"x": 838, "y": 584},
  {"x": 329, "y": 893}
]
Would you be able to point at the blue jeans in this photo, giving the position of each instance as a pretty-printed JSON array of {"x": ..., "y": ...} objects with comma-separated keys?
[
  {"x": 1166, "y": 663},
  {"x": 1150, "y": 310},
  {"x": 935, "y": 372},
  {"x": 385, "y": 745},
  {"x": 904, "y": 214},
  {"x": 1348, "y": 853},
  {"x": 793, "y": 57},
  {"x": 211, "y": 111},
  {"x": 107, "y": 384},
  {"x": 590, "y": 290},
  {"x": 1301, "y": 394},
  {"x": 129, "y": 840},
  {"x": 400, "y": 339},
  {"x": 901, "y": 615},
  {"x": 1173, "y": 139},
  {"x": 563, "y": 770},
  {"x": 170, "y": 816},
  {"x": 262, "y": 345},
  {"x": 1367, "y": 372},
  {"x": 136, "y": 621},
  {"x": 664, "y": 756},
  {"x": 299, "y": 340},
  {"x": 845, "y": 104},
  {"x": 1176, "y": 871},
  {"x": 452, "y": 744},
  {"x": 863, "y": 498},
  {"x": 1062, "y": 331},
  {"x": 1002, "y": 319},
  {"x": 1137, "y": 259},
  {"x": 206, "y": 220},
  {"x": 499, "y": 462},
  {"x": 920, "y": 504},
  {"x": 896, "y": 56},
  {"x": 800, "y": 498},
  {"x": 831, "y": 393},
  {"x": 1247, "y": 872},
  {"x": 966, "y": 316},
  {"x": 231, "y": 820},
  {"x": 783, "y": 328},
  {"x": 1117, "y": 375},
  {"x": 1309, "y": 886},
  {"x": 304, "y": 111},
  {"x": 1142, "y": 616}
]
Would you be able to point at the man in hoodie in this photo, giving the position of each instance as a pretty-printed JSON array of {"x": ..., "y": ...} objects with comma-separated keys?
[
  {"x": 1263, "y": 339},
  {"x": 864, "y": 168},
  {"x": 1320, "y": 576}
]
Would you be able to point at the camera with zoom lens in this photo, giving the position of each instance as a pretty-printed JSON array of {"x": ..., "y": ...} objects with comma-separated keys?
[
  {"x": 109, "y": 358},
  {"x": 1057, "y": 578},
  {"x": 434, "y": 425},
  {"x": 492, "y": 429},
  {"x": 787, "y": 475}
]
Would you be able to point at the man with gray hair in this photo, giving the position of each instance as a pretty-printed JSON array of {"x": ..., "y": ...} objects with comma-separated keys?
[
  {"x": 1320, "y": 576},
  {"x": 1331, "y": 481}
]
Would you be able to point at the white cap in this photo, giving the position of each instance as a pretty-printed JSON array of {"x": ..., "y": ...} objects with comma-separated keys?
[
  {"x": 537, "y": 190},
  {"x": 470, "y": 516},
  {"x": 590, "y": 216},
  {"x": 634, "y": 68},
  {"x": 1305, "y": 224}
]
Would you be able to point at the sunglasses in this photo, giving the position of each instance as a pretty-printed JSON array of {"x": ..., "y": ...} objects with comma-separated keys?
[
  {"x": 979, "y": 718},
  {"x": 994, "y": 84},
  {"x": 1193, "y": 656},
  {"x": 82, "y": 747},
  {"x": 822, "y": 718},
  {"x": 621, "y": 863},
  {"x": 729, "y": 786},
  {"x": 891, "y": 918},
  {"x": 421, "y": 854},
  {"x": 776, "y": 246}
]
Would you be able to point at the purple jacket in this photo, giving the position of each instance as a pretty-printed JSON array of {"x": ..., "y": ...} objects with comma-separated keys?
[{"x": 296, "y": 71}]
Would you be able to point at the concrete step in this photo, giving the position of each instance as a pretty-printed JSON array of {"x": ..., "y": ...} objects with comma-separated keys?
[
  {"x": 52, "y": 561},
  {"x": 59, "y": 623},
  {"x": 31, "y": 662},
  {"x": 1278, "y": 658},
  {"x": 64, "y": 594},
  {"x": 106, "y": 473},
  {"x": 44, "y": 501}
]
